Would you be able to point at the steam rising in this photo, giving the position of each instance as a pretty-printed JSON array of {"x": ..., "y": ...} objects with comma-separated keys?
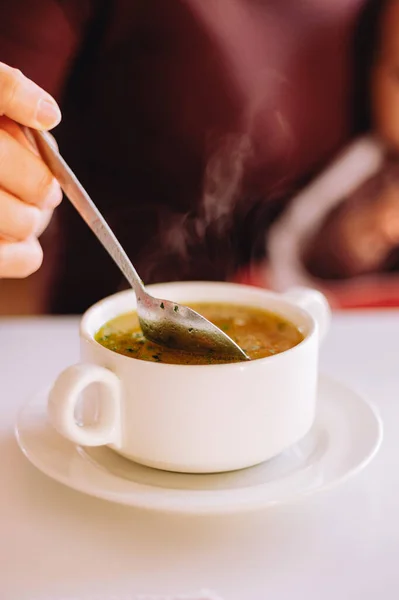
[
  {"x": 208, "y": 241},
  {"x": 223, "y": 182},
  {"x": 182, "y": 234}
]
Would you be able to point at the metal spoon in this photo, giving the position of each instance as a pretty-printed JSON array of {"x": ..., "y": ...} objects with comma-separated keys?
[{"x": 162, "y": 321}]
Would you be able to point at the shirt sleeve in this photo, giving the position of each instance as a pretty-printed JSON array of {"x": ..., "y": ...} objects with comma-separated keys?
[{"x": 309, "y": 210}]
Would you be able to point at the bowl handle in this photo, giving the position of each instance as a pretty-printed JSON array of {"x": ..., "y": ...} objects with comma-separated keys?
[
  {"x": 64, "y": 398},
  {"x": 313, "y": 302}
]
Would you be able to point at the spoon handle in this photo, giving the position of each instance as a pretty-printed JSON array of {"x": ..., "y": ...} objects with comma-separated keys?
[{"x": 81, "y": 200}]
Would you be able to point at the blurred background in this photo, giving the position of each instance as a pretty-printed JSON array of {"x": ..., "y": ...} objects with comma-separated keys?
[{"x": 240, "y": 140}]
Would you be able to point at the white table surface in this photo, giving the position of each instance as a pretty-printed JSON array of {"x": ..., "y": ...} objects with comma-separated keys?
[{"x": 57, "y": 544}]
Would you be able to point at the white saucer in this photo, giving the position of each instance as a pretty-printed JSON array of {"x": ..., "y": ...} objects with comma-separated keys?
[{"x": 345, "y": 437}]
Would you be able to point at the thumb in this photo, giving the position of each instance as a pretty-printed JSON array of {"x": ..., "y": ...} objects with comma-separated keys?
[{"x": 25, "y": 102}]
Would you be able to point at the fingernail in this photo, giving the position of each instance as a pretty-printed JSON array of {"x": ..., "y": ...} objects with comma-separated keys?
[
  {"x": 54, "y": 195},
  {"x": 48, "y": 114}
]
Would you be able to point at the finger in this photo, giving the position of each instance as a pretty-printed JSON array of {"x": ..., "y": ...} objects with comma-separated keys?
[
  {"x": 25, "y": 102},
  {"x": 15, "y": 130},
  {"x": 45, "y": 218},
  {"x": 23, "y": 174},
  {"x": 18, "y": 220},
  {"x": 20, "y": 259}
]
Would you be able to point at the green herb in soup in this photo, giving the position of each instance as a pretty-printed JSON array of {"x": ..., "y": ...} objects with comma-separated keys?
[{"x": 260, "y": 333}]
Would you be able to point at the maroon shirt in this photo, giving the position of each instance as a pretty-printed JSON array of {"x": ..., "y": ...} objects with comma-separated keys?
[{"x": 160, "y": 96}]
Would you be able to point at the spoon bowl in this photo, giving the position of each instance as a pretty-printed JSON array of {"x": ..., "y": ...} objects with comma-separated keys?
[{"x": 177, "y": 326}]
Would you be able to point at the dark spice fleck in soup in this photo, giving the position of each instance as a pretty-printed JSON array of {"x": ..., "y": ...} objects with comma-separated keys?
[{"x": 260, "y": 333}]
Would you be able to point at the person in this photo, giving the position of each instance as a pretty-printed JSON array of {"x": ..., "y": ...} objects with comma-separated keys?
[
  {"x": 351, "y": 229},
  {"x": 190, "y": 123}
]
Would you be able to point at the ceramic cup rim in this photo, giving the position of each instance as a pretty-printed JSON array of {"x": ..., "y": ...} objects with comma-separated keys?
[{"x": 87, "y": 334}]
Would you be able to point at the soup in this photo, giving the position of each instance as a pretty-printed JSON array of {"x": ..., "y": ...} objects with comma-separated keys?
[{"x": 258, "y": 332}]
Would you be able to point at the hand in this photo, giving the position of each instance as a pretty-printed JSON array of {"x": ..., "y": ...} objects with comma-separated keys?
[
  {"x": 28, "y": 191},
  {"x": 367, "y": 234}
]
